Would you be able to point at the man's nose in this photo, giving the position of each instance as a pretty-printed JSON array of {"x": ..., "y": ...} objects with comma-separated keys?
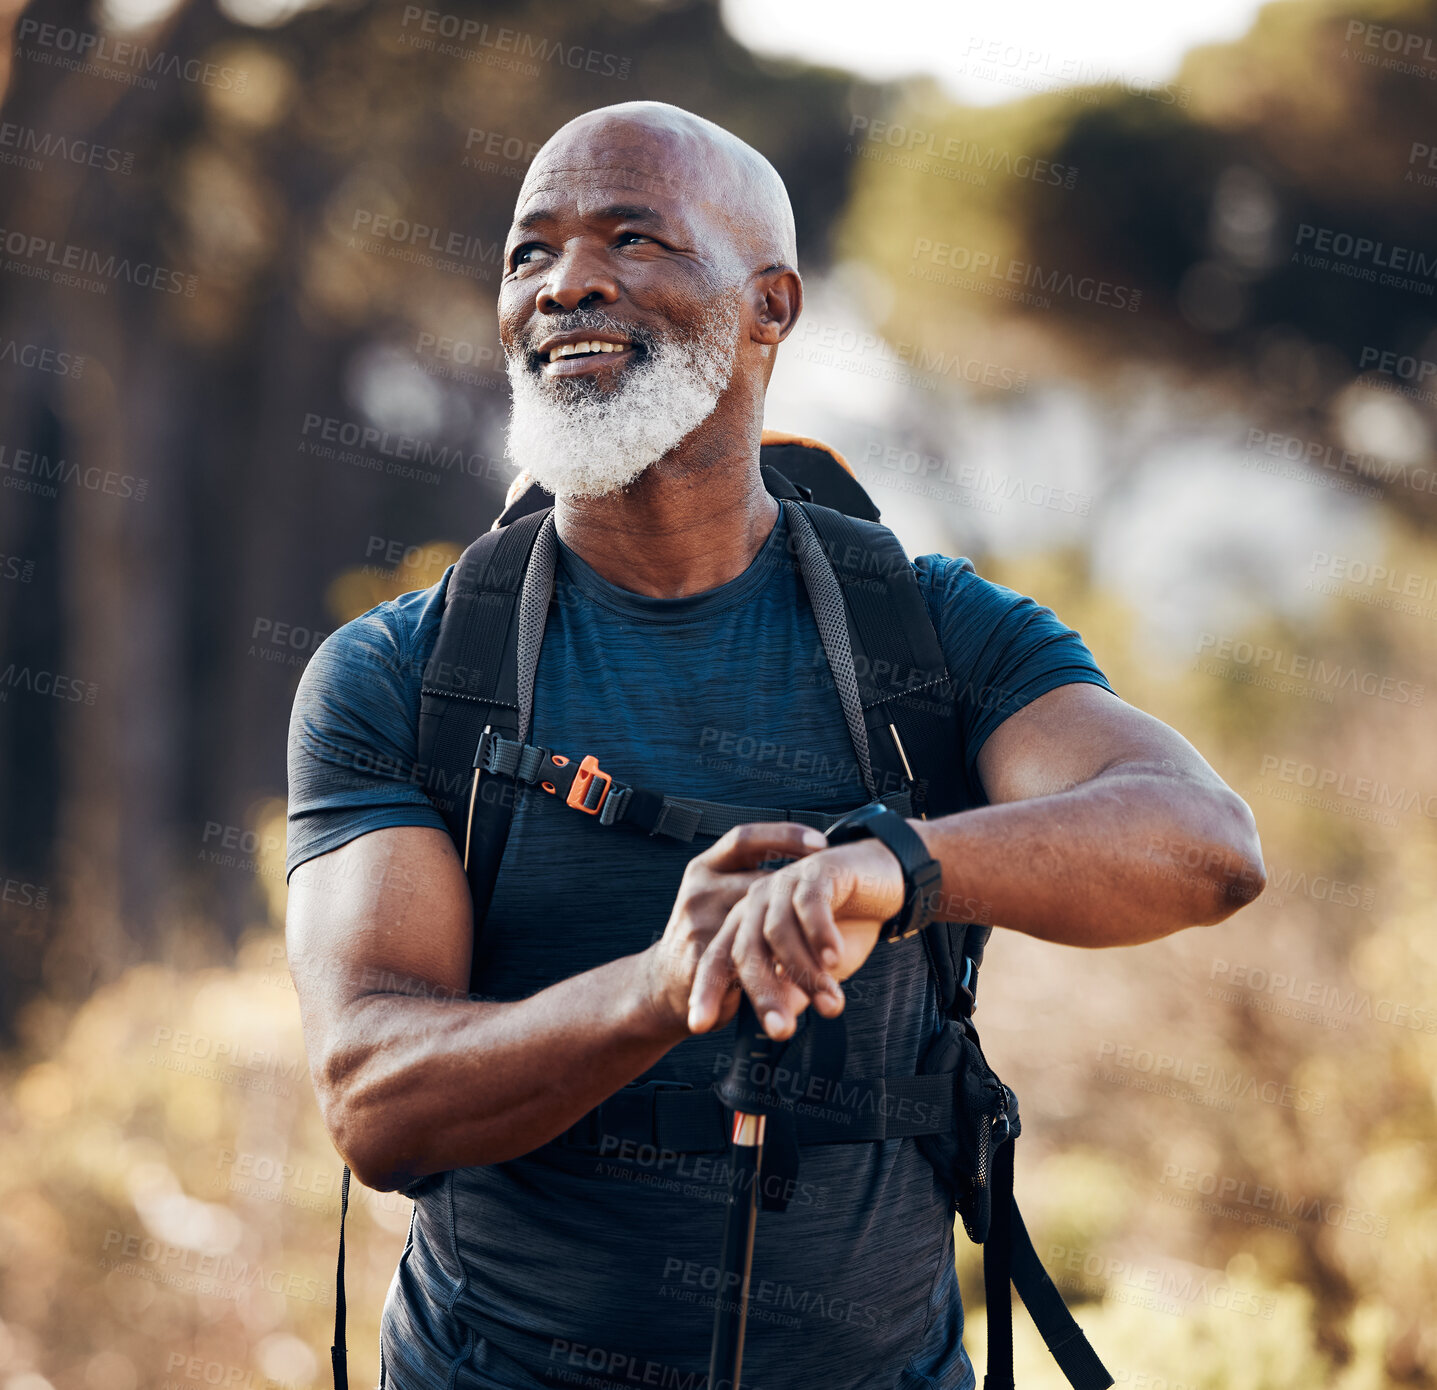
[{"x": 577, "y": 279}]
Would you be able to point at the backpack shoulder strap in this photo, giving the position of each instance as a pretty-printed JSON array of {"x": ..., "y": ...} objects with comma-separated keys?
[
  {"x": 906, "y": 694},
  {"x": 480, "y": 675}
]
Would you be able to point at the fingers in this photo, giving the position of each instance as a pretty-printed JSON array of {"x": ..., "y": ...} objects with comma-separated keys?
[
  {"x": 745, "y": 846},
  {"x": 778, "y": 999},
  {"x": 713, "y": 979},
  {"x": 788, "y": 947},
  {"x": 813, "y": 910}
]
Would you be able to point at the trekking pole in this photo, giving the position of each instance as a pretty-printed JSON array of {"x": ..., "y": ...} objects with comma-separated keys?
[{"x": 740, "y": 1216}]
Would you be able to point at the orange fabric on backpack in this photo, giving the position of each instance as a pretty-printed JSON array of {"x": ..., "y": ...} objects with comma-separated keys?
[{"x": 784, "y": 437}]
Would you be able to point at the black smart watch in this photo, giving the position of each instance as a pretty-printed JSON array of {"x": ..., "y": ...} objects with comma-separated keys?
[{"x": 922, "y": 874}]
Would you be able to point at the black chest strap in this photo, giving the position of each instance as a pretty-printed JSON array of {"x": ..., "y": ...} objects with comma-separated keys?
[{"x": 581, "y": 784}]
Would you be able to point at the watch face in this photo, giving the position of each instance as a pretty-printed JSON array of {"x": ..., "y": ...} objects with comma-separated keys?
[{"x": 852, "y": 825}]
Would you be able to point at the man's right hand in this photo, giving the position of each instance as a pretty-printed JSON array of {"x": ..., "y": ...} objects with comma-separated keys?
[{"x": 713, "y": 882}]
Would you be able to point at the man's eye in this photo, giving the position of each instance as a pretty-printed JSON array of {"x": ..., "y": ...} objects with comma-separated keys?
[
  {"x": 522, "y": 254},
  {"x": 632, "y": 236}
]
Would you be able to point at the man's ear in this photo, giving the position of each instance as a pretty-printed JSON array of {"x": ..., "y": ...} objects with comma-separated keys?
[{"x": 778, "y": 301}]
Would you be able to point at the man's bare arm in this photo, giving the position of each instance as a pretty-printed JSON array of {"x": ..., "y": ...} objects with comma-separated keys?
[
  {"x": 1106, "y": 827},
  {"x": 412, "y": 1076}
]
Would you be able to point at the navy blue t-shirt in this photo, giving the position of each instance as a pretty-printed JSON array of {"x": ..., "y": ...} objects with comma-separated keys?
[{"x": 565, "y": 1269}]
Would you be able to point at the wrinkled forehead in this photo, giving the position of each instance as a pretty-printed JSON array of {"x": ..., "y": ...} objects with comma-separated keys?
[
  {"x": 618, "y": 165},
  {"x": 564, "y": 174},
  {"x": 589, "y": 189}
]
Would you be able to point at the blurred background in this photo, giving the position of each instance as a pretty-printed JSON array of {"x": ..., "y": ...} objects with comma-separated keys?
[{"x": 1134, "y": 308}]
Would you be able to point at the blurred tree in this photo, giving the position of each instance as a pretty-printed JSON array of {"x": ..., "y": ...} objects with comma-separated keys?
[
  {"x": 1262, "y": 224},
  {"x": 293, "y": 193}
]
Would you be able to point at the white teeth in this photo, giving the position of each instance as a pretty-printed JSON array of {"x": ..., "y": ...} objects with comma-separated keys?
[{"x": 575, "y": 349}]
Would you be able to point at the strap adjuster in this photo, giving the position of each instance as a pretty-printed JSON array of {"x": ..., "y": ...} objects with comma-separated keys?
[{"x": 585, "y": 792}]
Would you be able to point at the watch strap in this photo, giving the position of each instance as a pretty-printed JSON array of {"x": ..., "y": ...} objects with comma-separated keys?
[{"x": 922, "y": 874}]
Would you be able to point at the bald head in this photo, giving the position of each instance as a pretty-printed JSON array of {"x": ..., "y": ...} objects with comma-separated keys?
[{"x": 650, "y": 146}]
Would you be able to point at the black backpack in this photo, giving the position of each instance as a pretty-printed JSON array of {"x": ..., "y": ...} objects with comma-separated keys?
[{"x": 899, "y": 703}]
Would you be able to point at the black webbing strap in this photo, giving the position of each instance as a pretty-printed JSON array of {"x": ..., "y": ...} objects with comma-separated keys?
[
  {"x": 998, "y": 1273},
  {"x": 338, "y": 1353},
  {"x": 1009, "y": 1257},
  {"x": 583, "y": 785},
  {"x": 1064, "y": 1338}
]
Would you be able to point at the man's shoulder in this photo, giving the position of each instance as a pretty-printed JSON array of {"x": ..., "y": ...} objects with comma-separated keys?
[
  {"x": 946, "y": 580},
  {"x": 938, "y": 571},
  {"x": 391, "y": 642},
  {"x": 981, "y": 622}
]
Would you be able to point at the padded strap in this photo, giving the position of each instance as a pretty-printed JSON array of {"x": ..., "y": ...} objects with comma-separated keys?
[
  {"x": 471, "y": 682},
  {"x": 909, "y": 700},
  {"x": 471, "y": 678}
]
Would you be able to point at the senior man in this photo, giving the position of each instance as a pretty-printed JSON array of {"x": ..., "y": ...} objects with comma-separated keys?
[{"x": 650, "y": 277}]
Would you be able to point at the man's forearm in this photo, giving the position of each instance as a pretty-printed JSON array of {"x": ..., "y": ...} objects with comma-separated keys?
[
  {"x": 1132, "y": 855},
  {"x": 424, "y": 1085}
]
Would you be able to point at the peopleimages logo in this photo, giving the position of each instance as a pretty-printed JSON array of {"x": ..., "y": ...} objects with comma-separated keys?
[
  {"x": 1317, "y": 453},
  {"x": 1367, "y": 791},
  {"x": 991, "y": 272},
  {"x": 220, "y": 1274},
  {"x": 1316, "y": 994},
  {"x": 1364, "y": 258},
  {"x": 1406, "y": 51},
  {"x": 502, "y": 47},
  {"x": 418, "y": 243},
  {"x": 1247, "y": 1199},
  {"x": 41, "y": 359},
  {"x": 25, "y": 470},
  {"x": 119, "y": 60},
  {"x": 911, "y": 147},
  {"x": 1177, "y": 1071},
  {"x": 1374, "y": 574},
  {"x": 30, "y": 148},
  {"x": 1325, "y": 676}
]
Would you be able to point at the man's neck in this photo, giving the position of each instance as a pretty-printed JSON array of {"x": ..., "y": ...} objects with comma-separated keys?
[{"x": 688, "y": 523}]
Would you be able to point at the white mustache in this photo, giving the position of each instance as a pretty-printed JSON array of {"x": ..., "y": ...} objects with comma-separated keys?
[{"x": 587, "y": 321}]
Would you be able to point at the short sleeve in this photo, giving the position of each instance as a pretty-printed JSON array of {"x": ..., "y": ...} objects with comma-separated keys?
[
  {"x": 1003, "y": 650},
  {"x": 353, "y": 740}
]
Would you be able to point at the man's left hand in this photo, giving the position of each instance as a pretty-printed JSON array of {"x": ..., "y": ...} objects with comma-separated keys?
[{"x": 796, "y": 932}]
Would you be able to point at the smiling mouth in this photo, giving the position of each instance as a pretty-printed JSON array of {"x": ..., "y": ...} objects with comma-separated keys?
[{"x": 585, "y": 358}]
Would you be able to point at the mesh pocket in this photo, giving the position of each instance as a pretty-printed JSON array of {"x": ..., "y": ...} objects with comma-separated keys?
[{"x": 985, "y": 1115}]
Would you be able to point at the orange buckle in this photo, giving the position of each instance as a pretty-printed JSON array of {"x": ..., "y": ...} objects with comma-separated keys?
[{"x": 584, "y": 776}]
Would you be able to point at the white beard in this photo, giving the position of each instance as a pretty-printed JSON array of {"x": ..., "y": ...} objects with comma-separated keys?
[{"x": 577, "y": 444}]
